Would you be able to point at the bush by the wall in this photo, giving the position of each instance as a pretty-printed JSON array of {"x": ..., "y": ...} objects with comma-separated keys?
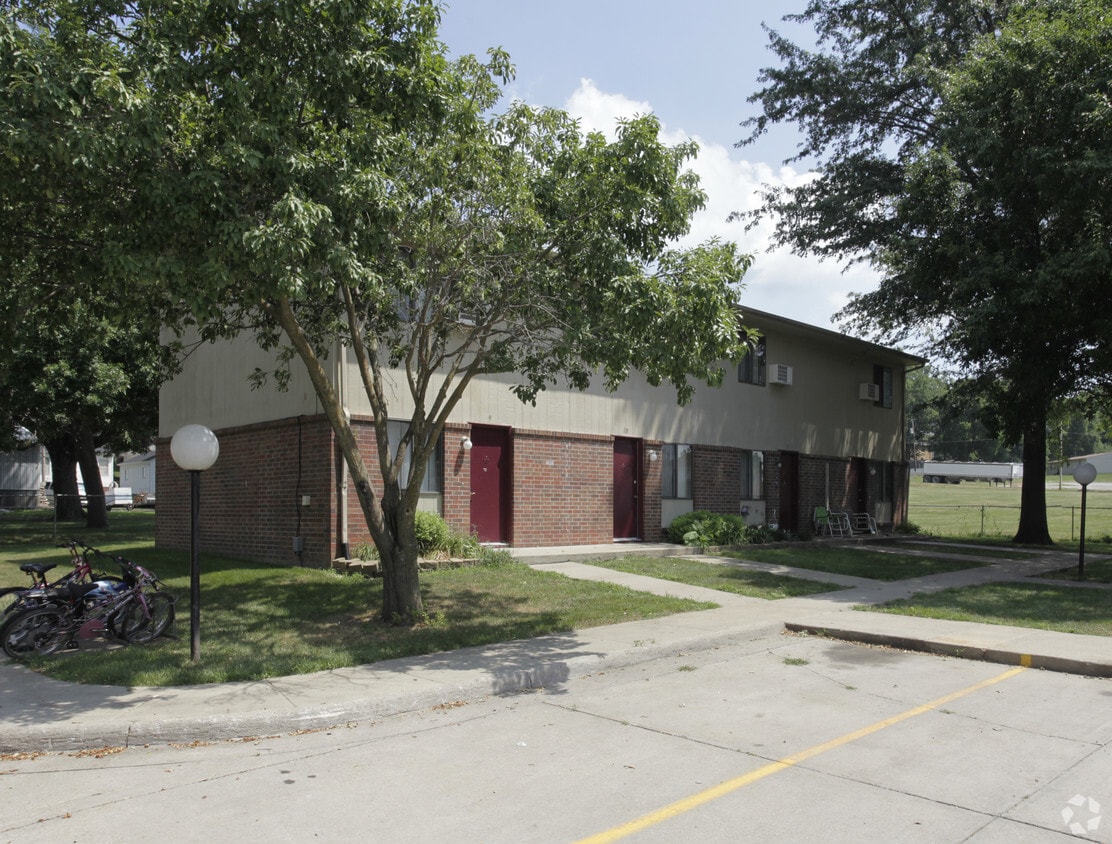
[
  {"x": 433, "y": 533},
  {"x": 701, "y": 528}
]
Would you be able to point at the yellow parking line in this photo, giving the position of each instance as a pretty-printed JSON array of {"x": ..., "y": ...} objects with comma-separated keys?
[{"x": 724, "y": 788}]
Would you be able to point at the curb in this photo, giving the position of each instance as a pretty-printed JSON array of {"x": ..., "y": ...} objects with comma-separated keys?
[
  {"x": 936, "y": 647},
  {"x": 122, "y": 727}
]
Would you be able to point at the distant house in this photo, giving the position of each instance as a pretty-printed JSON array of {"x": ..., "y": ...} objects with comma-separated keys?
[
  {"x": 1102, "y": 462},
  {"x": 811, "y": 418},
  {"x": 137, "y": 472},
  {"x": 22, "y": 475}
]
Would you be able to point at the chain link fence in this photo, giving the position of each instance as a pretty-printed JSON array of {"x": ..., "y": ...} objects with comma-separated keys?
[{"x": 1064, "y": 522}]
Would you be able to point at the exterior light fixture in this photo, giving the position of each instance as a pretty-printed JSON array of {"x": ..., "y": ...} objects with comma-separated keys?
[
  {"x": 1084, "y": 474},
  {"x": 466, "y": 443},
  {"x": 194, "y": 448}
]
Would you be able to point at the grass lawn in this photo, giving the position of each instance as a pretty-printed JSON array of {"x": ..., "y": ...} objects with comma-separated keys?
[
  {"x": 1045, "y": 606},
  {"x": 980, "y": 509},
  {"x": 855, "y": 561},
  {"x": 261, "y": 621},
  {"x": 1096, "y": 571},
  {"x": 724, "y": 578}
]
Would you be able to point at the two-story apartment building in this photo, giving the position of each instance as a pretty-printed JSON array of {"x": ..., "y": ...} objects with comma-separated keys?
[{"x": 812, "y": 418}]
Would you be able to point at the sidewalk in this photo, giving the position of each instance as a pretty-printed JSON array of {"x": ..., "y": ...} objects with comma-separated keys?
[{"x": 37, "y": 713}]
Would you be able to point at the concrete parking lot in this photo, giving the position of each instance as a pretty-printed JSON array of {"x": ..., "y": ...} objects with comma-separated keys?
[{"x": 774, "y": 737}]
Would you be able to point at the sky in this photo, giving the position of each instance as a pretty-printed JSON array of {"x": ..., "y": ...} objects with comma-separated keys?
[{"x": 693, "y": 64}]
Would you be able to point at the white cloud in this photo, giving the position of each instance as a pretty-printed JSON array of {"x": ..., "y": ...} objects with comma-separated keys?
[
  {"x": 779, "y": 282},
  {"x": 597, "y": 111}
]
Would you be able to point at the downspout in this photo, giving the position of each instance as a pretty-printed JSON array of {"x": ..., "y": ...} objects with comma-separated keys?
[
  {"x": 899, "y": 514},
  {"x": 342, "y": 549}
]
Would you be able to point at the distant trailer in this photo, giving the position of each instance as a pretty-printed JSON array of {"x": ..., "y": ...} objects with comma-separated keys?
[{"x": 954, "y": 472}]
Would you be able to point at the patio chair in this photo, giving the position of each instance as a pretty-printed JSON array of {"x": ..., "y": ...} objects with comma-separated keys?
[
  {"x": 831, "y": 522},
  {"x": 863, "y": 523}
]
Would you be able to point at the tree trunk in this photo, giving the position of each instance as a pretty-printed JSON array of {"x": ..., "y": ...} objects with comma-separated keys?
[
  {"x": 401, "y": 589},
  {"x": 96, "y": 507},
  {"x": 63, "y": 467},
  {"x": 1033, "y": 528}
]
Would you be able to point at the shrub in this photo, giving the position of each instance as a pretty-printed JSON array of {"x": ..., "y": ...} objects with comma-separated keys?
[
  {"x": 496, "y": 557},
  {"x": 433, "y": 533},
  {"x": 462, "y": 546},
  {"x": 908, "y": 528},
  {"x": 434, "y": 536},
  {"x": 701, "y": 528}
]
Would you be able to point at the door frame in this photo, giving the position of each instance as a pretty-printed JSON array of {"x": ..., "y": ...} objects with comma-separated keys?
[
  {"x": 505, "y": 488},
  {"x": 637, "y": 505},
  {"x": 789, "y": 490}
]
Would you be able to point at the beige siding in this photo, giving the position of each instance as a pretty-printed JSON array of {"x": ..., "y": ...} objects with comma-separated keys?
[
  {"x": 820, "y": 413},
  {"x": 213, "y": 389}
]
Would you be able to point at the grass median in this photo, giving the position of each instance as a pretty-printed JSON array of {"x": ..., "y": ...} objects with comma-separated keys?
[
  {"x": 722, "y": 577},
  {"x": 260, "y": 621},
  {"x": 1043, "y": 606},
  {"x": 875, "y": 564}
]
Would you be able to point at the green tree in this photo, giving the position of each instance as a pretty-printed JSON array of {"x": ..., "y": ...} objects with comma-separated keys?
[
  {"x": 965, "y": 149},
  {"x": 81, "y": 387},
  {"x": 334, "y": 180},
  {"x": 80, "y": 361},
  {"x": 946, "y": 419}
]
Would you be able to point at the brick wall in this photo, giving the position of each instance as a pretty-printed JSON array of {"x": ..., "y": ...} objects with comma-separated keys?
[
  {"x": 819, "y": 476},
  {"x": 716, "y": 479},
  {"x": 651, "y": 530},
  {"x": 562, "y": 489},
  {"x": 251, "y": 498},
  {"x": 456, "y": 507}
]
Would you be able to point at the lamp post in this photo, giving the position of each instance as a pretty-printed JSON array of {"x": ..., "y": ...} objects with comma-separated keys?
[
  {"x": 194, "y": 448},
  {"x": 1084, "y": 474}
]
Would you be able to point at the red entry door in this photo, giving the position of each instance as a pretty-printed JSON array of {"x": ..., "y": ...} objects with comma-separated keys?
[
  {"x": 626, "y": 482},
  {"x": 490, "y": 483}
]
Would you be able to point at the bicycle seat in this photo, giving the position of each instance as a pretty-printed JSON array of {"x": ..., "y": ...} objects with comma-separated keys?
[{"x": 36, "y": 568}]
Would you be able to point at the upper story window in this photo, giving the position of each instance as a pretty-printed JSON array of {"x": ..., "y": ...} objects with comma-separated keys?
[
  {"x": 433, "y": 480},
  {"x": 751, "y": 370},
  {"x": 882, "y": 377},
  {"x": 675, "y": 470}
]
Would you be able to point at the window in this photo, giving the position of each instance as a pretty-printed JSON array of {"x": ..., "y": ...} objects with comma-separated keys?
[
  {"x": 675, "y": 478},
  {"x": 752, "y": 475},
  {"x": 432, "y": 482},
  {"x": 882, "y": 377},
  {"x": 886, "y": 486},
  {"x": 751, "y": 370}
]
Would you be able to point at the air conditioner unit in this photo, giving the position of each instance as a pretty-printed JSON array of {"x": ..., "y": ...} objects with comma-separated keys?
[
  {"x": 869, "y": 392},
  {"x": 780, "y": 373}
]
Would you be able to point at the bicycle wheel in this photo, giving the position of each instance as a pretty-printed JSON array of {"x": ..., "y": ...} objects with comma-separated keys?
[
  {"x": 9, "y": 598},
  {"x": 35, "y": 631},
  {"x": 145, "y": 624}
]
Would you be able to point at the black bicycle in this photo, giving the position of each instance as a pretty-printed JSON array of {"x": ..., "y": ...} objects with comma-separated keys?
[{"x": 130, "y": 610}]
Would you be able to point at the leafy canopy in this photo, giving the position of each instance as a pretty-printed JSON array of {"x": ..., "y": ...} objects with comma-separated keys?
[
  {"x": 319, "y": 174},
  {"x": 964, "y": 149}
]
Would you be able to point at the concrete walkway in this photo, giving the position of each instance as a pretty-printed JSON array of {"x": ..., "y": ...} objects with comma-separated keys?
[{"x": 38, "y": 713}]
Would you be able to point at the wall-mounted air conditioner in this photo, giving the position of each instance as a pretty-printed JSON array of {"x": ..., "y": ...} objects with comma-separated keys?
[
  {"x": 868, "y": 392},
  {"x": 780, "y": 373}
]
